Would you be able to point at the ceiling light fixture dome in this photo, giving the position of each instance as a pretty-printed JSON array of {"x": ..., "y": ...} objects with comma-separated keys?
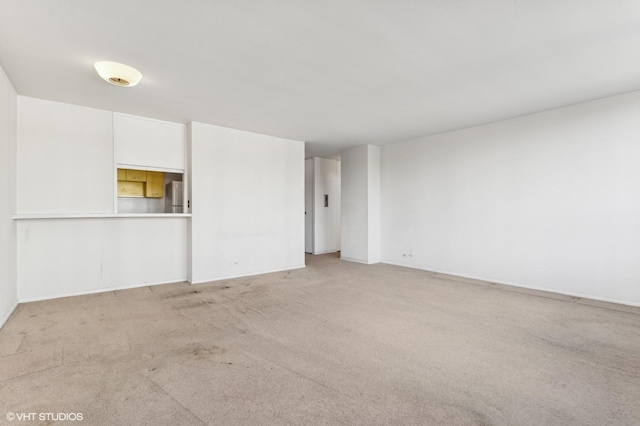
[{"x": 118, "y": 74}]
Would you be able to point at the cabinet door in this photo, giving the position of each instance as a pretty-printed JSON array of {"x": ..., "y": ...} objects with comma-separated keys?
[
  {"x": 130, "y": 189},
  {"x": 149, "y": 143},
  {"x": 136, "y": 175},
  {"x": 155, "y": 185},
  {"x": 122, "y": 174}
]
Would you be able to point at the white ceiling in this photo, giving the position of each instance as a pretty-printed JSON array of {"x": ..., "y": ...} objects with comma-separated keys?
[{"x": 334, "y": 73}]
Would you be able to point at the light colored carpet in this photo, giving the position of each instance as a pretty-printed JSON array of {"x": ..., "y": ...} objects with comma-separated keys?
[{"x": 334, "y": 343}]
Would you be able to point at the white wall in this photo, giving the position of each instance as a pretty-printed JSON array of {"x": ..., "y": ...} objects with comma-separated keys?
[
  {"x": 8, "y": 286},
  {"x": 61, "y": 257},
  {"x": 549, "y": 201},
  {"x": 360, "y": 214},
  {"x": 322, "y": 176},
  {"x": 65, "y": 158},
  {"x": 247, "y": 203},
  {"x": 65, "y": 163}
]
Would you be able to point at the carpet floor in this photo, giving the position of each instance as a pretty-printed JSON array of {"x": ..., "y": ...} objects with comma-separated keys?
[{"x": 336, "y": 343}]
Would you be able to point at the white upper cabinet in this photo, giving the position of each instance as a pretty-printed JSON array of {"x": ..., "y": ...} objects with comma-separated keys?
[{"x": 149, "y": 143}]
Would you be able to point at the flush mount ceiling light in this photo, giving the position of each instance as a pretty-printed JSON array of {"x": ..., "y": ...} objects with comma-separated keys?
[{"x": 118, "y": 74}]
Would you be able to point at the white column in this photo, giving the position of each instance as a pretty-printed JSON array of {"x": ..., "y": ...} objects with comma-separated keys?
[{"x": 361, "y": 204}]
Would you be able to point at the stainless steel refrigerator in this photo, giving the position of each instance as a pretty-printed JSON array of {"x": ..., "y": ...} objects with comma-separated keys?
[{"x": 173, "y": 197}]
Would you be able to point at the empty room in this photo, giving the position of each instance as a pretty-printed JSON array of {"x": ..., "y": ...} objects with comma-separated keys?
[{"x": 320, "y": 212}]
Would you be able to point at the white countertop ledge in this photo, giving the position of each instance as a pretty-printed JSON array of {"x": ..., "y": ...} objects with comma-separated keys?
[{"x": 97, "y": 215}]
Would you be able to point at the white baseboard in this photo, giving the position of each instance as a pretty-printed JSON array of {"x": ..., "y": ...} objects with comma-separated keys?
[
  {"x": 406, "y": 265},
  {"x": 348, "y": 259},
  {"x": 520, "y": 285},
  {"x": 97, "y": 290},
  {"x": 229, "y": 277},
  {"x": 569, "y": 293},
  {"x": 4, "y": 320}
]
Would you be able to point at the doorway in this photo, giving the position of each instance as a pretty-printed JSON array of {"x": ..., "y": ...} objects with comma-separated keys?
[{"x": 322, "y": 205}]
